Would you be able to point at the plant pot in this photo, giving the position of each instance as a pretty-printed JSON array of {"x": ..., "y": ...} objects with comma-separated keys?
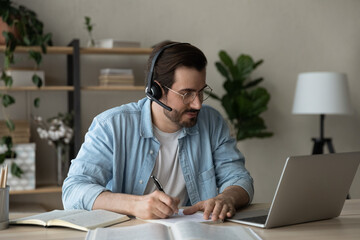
[{"x": 6, "y": 28}]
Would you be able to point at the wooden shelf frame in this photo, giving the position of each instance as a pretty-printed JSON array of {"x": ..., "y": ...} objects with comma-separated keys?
[
  {"x": 41, "y": 189},
  {"x": 89, "y": 50},
  {"x": 113, "y": 88},
  {"x": 34, "y": 88},
  {"x": 50, "y": 49}
]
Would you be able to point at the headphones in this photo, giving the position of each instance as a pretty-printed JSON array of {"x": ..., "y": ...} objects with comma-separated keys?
[{"x": 153, "y": 90}]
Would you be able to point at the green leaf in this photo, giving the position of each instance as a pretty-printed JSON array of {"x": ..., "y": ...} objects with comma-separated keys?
[
  {"x": 7, "y": 140},
  {"x": 26, "y": 40},
  {"x": 37, "y": 80},
  {"x": 2, "y": 158},
  {"x": 16, "y": 170},
  {"x": 7, "y": 100},
  {"x": 87, "y": 20},
  {"x": 253, "y": 83},
  {"x": 47, "y": 38},
  {"x": 36, "y": 102},
  {"x": 10, "y": 125},
  {"x": 36, "y": 56},
  {"x": 222, "y": 70},
  {"x": 8, "y": 81},
  {"x": 244, "y": 65},
  {"x": 226, "y": 59},
  {"x": 258, "y": 63}
]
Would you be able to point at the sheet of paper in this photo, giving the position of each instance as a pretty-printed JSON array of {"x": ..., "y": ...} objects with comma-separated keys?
[{"x": 196, "y": 217}]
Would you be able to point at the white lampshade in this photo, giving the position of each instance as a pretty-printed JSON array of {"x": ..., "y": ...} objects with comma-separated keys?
[{"x": 322, "y": 93}]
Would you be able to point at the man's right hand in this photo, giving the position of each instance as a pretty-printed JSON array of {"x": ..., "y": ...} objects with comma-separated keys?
[
  {"x": 156, "y": 205},
  {"x": 152, "y": 206}
]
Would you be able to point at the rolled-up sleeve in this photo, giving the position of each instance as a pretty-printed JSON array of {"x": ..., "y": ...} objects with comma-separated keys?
[{"x": 90, "y": 171}]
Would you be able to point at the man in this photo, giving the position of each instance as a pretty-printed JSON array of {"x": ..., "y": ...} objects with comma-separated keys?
[{"x": 169, "y": 135}]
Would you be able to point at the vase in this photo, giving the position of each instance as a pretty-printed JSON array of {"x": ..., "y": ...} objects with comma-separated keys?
[{"x": 62, "y": 155}]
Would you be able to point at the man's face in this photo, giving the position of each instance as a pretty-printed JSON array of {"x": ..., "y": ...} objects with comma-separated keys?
[{"x": 187, "y": 80}]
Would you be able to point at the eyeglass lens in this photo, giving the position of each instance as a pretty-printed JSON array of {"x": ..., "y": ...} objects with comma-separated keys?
[{"x": 203, "y": 95}]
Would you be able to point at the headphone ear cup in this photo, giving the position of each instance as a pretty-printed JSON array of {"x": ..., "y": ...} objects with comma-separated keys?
[{"x": 156, "y": 91}]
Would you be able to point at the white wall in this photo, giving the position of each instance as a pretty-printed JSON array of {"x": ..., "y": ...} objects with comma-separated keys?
[{"x": 291, "y": 36}]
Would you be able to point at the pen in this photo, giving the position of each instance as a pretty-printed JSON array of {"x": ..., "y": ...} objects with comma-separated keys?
[{"x": 157, "y": 183}]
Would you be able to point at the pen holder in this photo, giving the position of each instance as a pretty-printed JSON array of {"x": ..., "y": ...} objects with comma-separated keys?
[{"x": 4, "y": 207}]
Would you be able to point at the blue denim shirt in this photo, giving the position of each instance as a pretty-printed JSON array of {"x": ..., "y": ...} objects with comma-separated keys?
[{"x": 120, "y": 150}]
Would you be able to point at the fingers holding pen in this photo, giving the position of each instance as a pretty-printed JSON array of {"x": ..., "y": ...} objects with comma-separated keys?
[
  {"x": 169, "y": 201},
  {"x": 158, "y": 205}
]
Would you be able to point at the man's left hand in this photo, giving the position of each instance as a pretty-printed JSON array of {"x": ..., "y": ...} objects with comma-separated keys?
[{"x": 223, "y": 205}]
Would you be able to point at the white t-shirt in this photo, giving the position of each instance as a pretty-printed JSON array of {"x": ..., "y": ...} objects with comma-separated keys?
[{"x": 167, "y": 168}]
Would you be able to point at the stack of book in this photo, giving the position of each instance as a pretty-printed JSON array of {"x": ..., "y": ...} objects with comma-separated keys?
[
  {"x": 112, "y": 43},
  {"x": 116, "y": 77},
  {"x": 21, "y": 134}
]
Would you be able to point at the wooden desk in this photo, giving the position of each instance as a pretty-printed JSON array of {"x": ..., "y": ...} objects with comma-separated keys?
[{"x": 346, "y": 226}]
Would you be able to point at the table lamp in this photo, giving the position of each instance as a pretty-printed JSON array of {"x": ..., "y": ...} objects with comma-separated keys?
[{"x": 322, "y": 93}]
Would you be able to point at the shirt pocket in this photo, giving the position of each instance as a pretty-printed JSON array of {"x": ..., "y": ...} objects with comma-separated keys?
[{"x": 207, "y": 184}]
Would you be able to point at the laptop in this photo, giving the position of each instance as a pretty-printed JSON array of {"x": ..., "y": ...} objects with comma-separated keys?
[{"x": 310, "y": 188}]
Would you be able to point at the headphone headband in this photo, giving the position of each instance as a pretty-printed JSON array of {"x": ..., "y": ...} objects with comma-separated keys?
[
  {"x": 153, "y": 90},
  {"x": 153, "y": 62}
]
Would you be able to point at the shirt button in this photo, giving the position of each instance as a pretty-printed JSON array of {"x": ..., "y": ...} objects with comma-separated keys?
[
  {"x": 151, "y": 152},
  {"x": 141, "y": 181}
]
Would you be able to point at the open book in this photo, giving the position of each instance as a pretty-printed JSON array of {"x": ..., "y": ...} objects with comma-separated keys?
[
  {"x": 179, "y": 217},
  {"x": 78, "y": 219},
  {"x": 184, "y": 230}
]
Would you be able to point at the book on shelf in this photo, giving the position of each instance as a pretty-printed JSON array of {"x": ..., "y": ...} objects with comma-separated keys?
[
  {"x": 112, "y": 43},
  {"x": 117, "y": 71},
  {"x": 116, "y": 77},
  {"x": 184, "y": 230},
  {"x": 21, "y": 133},
  {"x": 77, "y": 219}
]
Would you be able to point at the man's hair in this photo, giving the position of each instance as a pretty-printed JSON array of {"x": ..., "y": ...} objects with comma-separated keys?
[{"x": 173, "y": 57}]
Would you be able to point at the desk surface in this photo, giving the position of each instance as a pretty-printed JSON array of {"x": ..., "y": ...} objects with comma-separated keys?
[{"x": 346, "y": 226}]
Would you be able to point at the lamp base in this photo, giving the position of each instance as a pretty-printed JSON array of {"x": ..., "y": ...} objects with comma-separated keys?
[{"x": 319, "y": 144}]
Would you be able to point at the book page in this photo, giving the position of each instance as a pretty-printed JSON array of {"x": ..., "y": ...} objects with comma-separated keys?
[
  {"x": 142, "y": 231},
  {"x": 43, "y": 218},
  {"x": 195, "y": 230},
  {"x": 89, "y": 219},
  {"x": 196, "y": 217}
]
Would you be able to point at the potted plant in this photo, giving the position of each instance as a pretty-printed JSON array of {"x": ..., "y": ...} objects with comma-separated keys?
[
  {"x": 58, "y": 131},
  {"x": 25, "y": 29},
  {"x": 244, "y": 100}
]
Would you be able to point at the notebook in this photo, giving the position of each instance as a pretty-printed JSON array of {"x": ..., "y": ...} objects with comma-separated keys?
[{"x": 310, "y": 188}]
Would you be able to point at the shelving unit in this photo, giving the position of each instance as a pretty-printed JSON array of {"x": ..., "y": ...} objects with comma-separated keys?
[
  {"x": 39, "y": 189},
  {"x": 74, "y": 89},
  {"x": 34, "y": 88}
]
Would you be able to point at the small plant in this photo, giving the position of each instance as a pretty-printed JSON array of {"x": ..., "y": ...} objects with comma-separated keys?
[
  {"x": 243, "y": 101},
  {"x": 29, "y": 33},
  {"x": 89, "y": 27},
  {"x": 56, "y": 130}
]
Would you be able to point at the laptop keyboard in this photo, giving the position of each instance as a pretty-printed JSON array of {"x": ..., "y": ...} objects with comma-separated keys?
[{"x": 257, "y": 219}]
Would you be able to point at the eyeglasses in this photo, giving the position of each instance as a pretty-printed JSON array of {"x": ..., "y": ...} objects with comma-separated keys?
[{"x": 190, "y": 96}]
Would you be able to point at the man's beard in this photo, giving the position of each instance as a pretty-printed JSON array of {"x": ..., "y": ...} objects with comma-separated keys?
[{"x": 175, "y": 117}]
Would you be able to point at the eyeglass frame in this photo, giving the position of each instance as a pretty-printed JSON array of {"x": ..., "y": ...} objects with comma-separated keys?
[{"x": 191, "y": 92}]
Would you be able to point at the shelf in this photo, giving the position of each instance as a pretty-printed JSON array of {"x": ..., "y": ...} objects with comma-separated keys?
[
  {"x": 69, "y": 50},
  {"x": 113, "y": 88},
  {"x": 34, "y": 88},
  {"x": 42, "y": 189},
  {"x": 51, "y": 50},
  {"x": 116, "y": 50}
]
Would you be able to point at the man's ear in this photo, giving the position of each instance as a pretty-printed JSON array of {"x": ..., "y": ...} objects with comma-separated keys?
[{"x": 162, "y": 89}]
